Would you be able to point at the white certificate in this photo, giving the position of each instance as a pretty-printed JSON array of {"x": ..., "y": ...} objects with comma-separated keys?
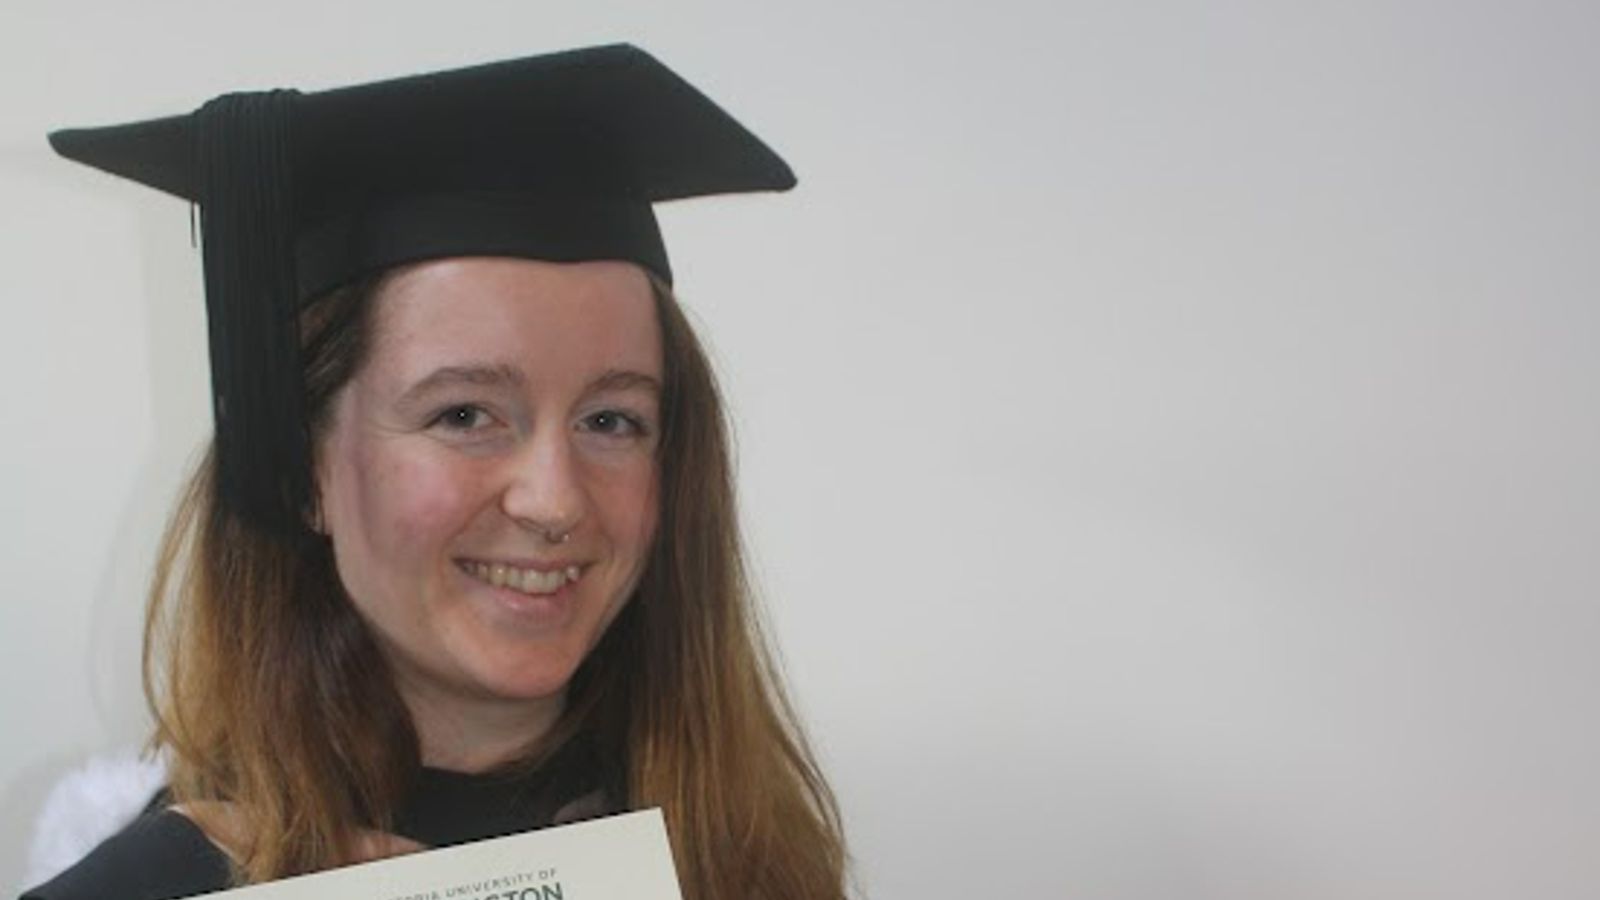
[{"x": 623, "y": 857}]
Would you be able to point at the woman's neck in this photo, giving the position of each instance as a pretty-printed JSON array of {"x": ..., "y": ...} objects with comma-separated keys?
[{"x": 475, "y": 734}]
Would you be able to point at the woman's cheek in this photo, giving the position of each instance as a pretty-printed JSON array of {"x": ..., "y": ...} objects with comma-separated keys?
[
  {"x": 427, "y": 502},
  {"x": 639, "y": 503}
]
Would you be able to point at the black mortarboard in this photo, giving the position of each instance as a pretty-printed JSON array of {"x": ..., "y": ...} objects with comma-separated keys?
[{"x": 555, "y": 157}]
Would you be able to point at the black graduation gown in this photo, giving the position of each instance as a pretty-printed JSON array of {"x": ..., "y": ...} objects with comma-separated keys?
[{"x": 162, "y": 855}]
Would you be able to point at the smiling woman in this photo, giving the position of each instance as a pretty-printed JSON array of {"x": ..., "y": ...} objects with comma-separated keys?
[
  {"x": 488, "y": 479},
  {"x": 463, "y": 558}
]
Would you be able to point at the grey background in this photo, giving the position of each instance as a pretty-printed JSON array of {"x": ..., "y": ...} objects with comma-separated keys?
[{"x": 1168, "y": 430}]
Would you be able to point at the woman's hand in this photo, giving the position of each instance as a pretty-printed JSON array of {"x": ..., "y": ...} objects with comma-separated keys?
[{"x": 371, "y": 845}]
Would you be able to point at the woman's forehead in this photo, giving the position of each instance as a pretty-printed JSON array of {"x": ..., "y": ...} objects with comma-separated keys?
[{"x": 549, "y": 321}]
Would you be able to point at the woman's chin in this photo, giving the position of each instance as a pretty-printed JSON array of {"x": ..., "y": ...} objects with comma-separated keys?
[{"x": 511, "y": 680}]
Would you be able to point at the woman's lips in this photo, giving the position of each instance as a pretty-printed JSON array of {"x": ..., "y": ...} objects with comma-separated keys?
[{"x": 526, "y": 580}]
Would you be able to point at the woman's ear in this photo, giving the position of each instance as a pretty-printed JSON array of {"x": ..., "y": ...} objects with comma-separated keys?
[{"x": 313, "y": 513}]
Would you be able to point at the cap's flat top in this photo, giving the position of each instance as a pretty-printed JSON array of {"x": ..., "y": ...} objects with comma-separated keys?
[{"x": 608, "y": 119}]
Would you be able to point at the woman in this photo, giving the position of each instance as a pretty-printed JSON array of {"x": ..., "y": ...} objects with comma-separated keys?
[{"x": 463, "y": 559}]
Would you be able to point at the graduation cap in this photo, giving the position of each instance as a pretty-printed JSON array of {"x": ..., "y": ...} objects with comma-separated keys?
[{"x": 557, "y": 157}]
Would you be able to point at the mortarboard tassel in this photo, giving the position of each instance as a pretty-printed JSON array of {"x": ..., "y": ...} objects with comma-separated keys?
[{"x": 243, "y": 155}]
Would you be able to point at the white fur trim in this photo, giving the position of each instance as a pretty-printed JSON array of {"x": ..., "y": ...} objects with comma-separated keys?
[{"x": 88, "y": 805}]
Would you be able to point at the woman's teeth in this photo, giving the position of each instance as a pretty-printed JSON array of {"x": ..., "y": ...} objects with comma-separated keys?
[{"x": 528, "y": 581}]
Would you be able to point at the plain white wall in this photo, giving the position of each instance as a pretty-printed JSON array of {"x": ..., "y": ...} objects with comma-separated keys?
[{"x": 1168, "y": 430}]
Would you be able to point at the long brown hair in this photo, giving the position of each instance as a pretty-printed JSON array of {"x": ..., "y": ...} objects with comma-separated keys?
[{"x": 271, "y": 695}]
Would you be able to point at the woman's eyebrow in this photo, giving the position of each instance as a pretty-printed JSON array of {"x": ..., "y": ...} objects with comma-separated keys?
[
  {"x": 503, "y": 374},
  {"x": 506, "y": 374},
  {"x": 625, "y": 379}
]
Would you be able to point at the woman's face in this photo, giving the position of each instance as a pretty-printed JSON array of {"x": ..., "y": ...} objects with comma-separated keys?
[{"x": 504, "y": 404}]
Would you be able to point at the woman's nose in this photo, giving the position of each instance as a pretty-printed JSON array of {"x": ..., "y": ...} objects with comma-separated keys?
[{"x": 545, "y": 491}]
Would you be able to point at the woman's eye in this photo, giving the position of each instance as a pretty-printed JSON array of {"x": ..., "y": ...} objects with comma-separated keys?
[
  {"x": 613, "y": 422},
  {"x": 461, "y": 417}
]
